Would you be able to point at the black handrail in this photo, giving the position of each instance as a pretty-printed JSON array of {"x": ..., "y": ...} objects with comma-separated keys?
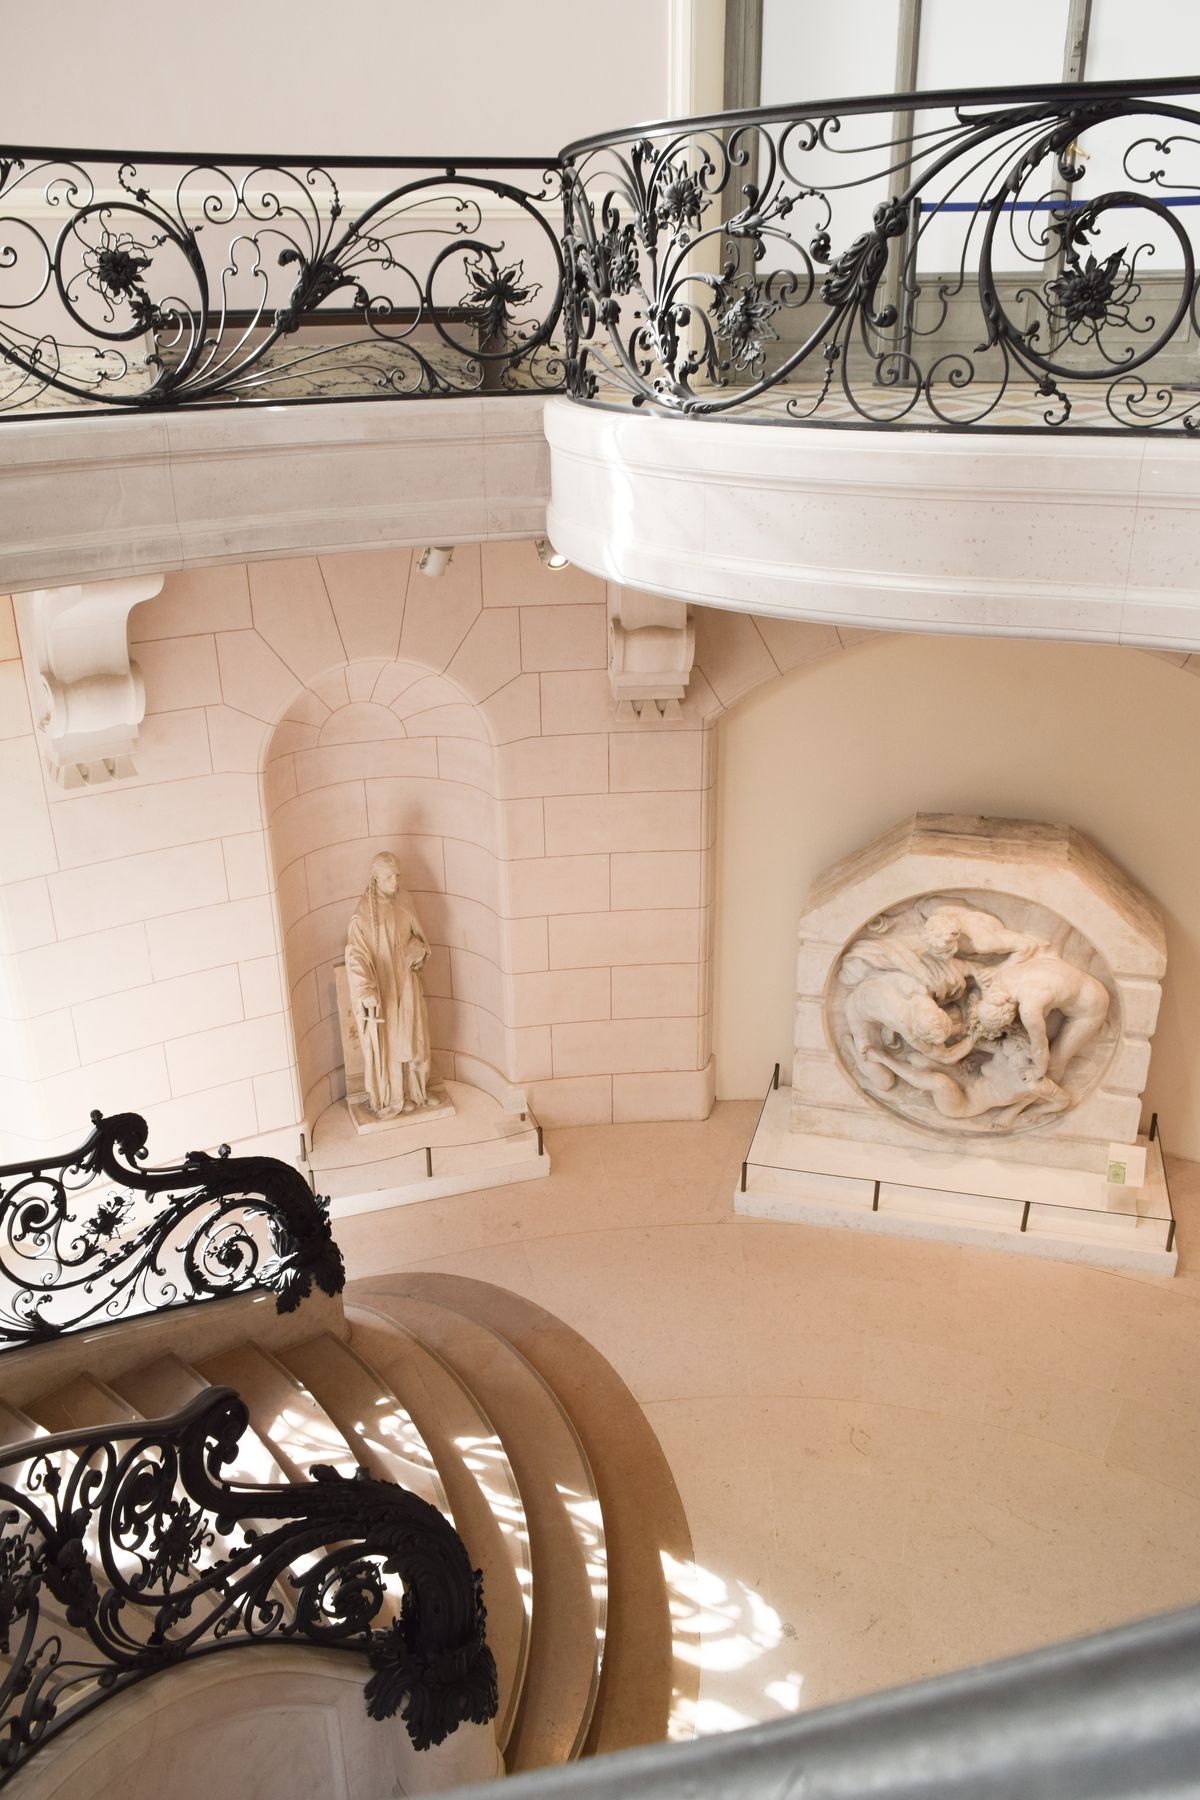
[
  {"x": 92, "y": 1236},
  {"x": 956, "y": 99},
  {"x": 124, "y": 1551}
]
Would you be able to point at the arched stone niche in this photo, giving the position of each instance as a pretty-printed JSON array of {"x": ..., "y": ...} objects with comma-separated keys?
[{"x": 393, "y": 758}]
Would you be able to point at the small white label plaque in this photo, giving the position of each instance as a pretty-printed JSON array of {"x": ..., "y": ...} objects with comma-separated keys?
[{"x": 1126, "y": 1165}]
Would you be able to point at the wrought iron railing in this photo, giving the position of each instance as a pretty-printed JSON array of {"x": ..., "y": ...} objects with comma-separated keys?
[
  {"x": 146, "y": 281},
  {"x": 124, "y": 1550},
  {"x": 1009, "y": 258},
  {"x": 93, "y": 1236},
  {"x": 1021, "y": 257}
]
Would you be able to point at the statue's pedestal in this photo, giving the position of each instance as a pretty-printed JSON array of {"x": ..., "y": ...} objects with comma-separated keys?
[
  {"x": 439, "y": 1106},
  {"x": 965, "y": 1198},
  {"x": 474, "y": 1143}
]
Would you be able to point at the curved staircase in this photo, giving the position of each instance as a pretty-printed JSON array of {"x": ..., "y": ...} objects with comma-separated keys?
[{"x": 474, "y": 1399}]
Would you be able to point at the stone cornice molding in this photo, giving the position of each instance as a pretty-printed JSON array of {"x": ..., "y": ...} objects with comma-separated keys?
[
  {"x": 1027, "y": 536},
  {"x": 95, "y": 498}
]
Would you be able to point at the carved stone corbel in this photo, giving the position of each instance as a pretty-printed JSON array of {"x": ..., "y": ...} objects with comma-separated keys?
[
  {"x": 651, "y": 646},
  {"x": 88, "y": 698}
]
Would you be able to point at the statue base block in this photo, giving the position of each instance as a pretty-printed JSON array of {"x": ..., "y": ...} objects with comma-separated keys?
[
  {"x": 476, "y": 1143},
  {"x": 956, "y": 1196},
  {"x": 438, "y": 1106}
]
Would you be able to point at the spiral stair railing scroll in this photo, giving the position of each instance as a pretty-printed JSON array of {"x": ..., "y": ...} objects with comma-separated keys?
[
  {"x": 124, "y": 1550},
  {"x": 806, "y": 266},
  {"x": 94, "y": 1236}
]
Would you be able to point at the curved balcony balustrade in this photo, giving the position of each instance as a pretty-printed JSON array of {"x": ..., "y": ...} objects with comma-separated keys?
[
  {"x": 1019, "y": 259},
  {"x": 126, "y": 1549}
]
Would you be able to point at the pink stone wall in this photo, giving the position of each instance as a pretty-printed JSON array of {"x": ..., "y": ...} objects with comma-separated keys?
[{"x": 169, "y": 939}]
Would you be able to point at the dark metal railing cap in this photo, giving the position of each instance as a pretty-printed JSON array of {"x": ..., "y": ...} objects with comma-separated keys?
[{"x": 1072, "y": 92}]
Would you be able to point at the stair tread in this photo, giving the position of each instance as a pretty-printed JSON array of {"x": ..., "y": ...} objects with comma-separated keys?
[
  {"x": 484, "y": 1499},
  {"x": 562, "y": 1511},
  {"x": 16, "y": 1427},
  {"x": 378, "y": 1429},
  {"x": 646, "y": 1691},
  {"x": 163, "y": 1386},
  {"x": 289, "y": 1419},
  {"x": 80, "y": 1402}
]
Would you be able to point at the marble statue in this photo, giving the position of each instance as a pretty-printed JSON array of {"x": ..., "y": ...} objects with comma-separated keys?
[
  {"x": 963, "y": 1021},
  {"x": 385, "y": 952}
]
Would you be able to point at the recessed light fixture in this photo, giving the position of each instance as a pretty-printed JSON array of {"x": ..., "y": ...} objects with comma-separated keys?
[
  {"x": 548, "y": 555},
  {"x": 435, "y": 560}
]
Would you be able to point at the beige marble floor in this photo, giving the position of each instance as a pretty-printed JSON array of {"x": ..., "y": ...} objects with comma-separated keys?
[{"x": 896, "y": 1457}]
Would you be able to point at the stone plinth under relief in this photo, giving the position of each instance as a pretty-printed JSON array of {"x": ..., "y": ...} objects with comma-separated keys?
[{"x": 974, "y": 1007}]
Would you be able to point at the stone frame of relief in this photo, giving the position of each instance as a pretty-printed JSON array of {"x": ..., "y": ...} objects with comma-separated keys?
[{"x": 975, "y": 1002}]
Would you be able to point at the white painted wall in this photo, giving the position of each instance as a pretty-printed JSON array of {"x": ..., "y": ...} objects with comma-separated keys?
[
  {"x": 384, "y": 77},
  {"x": 820, "y": 761},
  {"x": 827, "y": 52}
]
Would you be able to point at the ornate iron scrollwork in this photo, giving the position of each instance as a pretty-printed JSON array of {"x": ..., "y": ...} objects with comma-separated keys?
[
  {"x": 1017, "y": 258},
  {"x": 124, "y": 1550},
  {"x": 174, "y": 282},
  {"x": 94, "y": 1236},
  {"x": 983, "y": 280}
]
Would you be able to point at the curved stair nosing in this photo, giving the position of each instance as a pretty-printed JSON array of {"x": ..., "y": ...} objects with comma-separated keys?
[
  {"x": 559, "y": 1489},
  {"x": 470, "y": 1509},
  {"x": 647, "y": 1690}
]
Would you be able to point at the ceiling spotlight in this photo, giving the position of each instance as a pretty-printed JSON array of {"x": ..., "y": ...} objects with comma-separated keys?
[
  {"x": 548, "y": 555},
  {"x": 435, "y": 560}
]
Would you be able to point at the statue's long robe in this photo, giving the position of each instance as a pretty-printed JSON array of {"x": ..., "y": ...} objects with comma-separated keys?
[{"x": 381, "y": 960}]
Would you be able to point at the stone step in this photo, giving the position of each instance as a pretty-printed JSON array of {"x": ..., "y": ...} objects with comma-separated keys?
[
  {"x": 16, "y": 1427},
  {"x": 80, "y": 1402},
  {"x": 163, "y": 1386},
  {"x": 379, "y": 1431},
  {"x": 286, "y": 1416},
  {"x": 566, "y": 1535},
  {"x": 647, "y": 1692},
  {"x": 481, "y": 1489}
]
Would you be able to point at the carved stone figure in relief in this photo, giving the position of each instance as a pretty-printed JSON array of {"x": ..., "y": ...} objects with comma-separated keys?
[
  {"x": 1038, "y": 987},
  {"x": 964, "y": 1021},
  {"x": 385, "y": 951}
]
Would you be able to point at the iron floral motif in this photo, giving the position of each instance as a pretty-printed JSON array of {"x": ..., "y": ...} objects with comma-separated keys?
[
  {"x": 680, "y": 200},
  {"x": 618, "y": 256},
  {"x": 70, "y": 1258},
  {"x": 187, "y": 1561},
  {"x": 495, "y": 295},
  {"x": 1085, "y": 291},
  {"x": 743, "y": 315}
]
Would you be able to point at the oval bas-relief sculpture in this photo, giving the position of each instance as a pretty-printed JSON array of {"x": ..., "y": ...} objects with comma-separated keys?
[{"x": 972, "y": 1012}]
